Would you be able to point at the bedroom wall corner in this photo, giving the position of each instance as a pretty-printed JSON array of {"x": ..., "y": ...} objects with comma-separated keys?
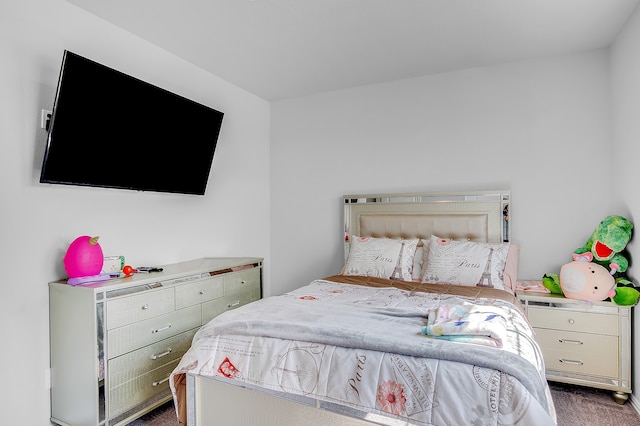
[{"x": 625, "y": 104}]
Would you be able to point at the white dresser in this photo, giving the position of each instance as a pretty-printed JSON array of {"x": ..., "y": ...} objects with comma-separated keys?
[
  {"x": 583, "y": 343},
  {"x": 114, "y": 343}
]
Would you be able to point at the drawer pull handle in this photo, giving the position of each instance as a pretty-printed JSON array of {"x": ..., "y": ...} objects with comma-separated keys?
[
  {"x": 201, "y": 292},
  {"x": 157, "y": 330},
  {"x": 160, "y": 382},
  {"x": 570, "y": 361},
  {"x": 572, "y": 342},
  {"x": 231, "y": 305},
  {"x": 145, "y": 307},
  {"x": 165, "y": 353},
  {"x": 243, "y": 282},
  {"x": 571, "y": 321}
]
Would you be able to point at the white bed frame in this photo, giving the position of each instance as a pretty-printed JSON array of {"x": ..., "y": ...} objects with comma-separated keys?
[{"x": 476, "y": 216}]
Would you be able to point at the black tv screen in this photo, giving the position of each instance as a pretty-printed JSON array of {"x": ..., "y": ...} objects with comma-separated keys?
[{"x": 111, "y": 130}]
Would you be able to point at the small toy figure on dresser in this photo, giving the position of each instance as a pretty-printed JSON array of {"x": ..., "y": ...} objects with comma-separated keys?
[{"x": 587, "y": 277}]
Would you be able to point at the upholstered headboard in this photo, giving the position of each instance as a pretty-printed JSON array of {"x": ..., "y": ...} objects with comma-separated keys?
[{"x": 481, "y": 216}]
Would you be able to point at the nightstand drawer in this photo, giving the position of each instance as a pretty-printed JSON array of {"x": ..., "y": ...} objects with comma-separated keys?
[
  {"x": 139, "y": 307},
  {"x": 584, "y": 353},
  {"x": 143, "y": 333},
  {"x": 559, "y": 319},
  {"x": 199, "y": 291}
]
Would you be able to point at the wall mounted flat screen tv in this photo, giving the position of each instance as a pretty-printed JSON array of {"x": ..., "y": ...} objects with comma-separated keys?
[{"x": 112, "y": 130}]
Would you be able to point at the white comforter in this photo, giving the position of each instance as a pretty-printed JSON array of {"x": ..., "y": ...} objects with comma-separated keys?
[{"x": 363, "y": 348}]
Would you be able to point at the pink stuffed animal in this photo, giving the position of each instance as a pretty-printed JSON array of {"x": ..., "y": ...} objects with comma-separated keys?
[{"x": 585, "y": 280}]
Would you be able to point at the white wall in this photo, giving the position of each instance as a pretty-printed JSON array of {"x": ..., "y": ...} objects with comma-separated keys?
[
  {"x": 39, "y": 221},
  {"x": 540, "y": 127},
  {"x": 625, "y": 83}
]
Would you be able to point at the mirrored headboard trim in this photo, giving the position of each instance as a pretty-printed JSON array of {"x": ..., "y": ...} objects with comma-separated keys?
[{"x": 474, "y": 215}]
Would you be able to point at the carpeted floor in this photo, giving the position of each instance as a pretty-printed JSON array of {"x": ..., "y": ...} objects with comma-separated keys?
[
  {"x": 165, "y": 415},
  {"x": 575, "y": 406}
]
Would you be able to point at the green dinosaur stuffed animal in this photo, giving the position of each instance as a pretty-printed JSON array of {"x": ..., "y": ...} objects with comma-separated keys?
[
  {"x": 608, "y": 241},
  {"x": 606, "y": 245}
]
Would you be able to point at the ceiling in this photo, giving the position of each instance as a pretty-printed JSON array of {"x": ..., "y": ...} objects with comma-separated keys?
[{"x": 280, "y": 49}]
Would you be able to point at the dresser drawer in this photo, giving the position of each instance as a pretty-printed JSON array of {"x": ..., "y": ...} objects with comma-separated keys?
[
  {"x": 559, "y": 319},
  {"x": 584, "y": 353},
  {"x": 138, "y": 307},
  {"x": 199, "y": 291},
  {"x": 136, "y": 363},
  {"x": 242, "y": 281},
  {"x": 125, "y": 339},
  {"x": 215, "y": 307},
  {"x": 138, "y": 390}
]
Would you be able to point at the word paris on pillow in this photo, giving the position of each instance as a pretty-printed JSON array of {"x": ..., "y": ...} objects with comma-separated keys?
[
  {"x": 381, "y": 257},
  {"x": 465, "y": 263}
]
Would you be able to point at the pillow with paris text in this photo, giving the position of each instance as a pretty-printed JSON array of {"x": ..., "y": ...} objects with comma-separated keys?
[
  {"x": 420, "y": 259},
  {"x": 380, "y": 257},
  {"x": 416, "y": 271},
  {"x": 465, "y": 263}
]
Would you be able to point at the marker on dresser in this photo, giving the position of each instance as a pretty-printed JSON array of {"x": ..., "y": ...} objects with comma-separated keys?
[{"x": 147, "y": 269}]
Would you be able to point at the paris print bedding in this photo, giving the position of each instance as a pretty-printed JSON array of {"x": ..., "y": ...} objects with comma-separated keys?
[{"x": 427, "y": 355}]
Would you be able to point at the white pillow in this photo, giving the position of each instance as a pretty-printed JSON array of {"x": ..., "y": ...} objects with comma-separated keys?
[
  {"x": 465, "y": 263},
  {"x": 416, "y": 272},
  {"x": 419, "y": 260},
  {"x": 408, "y": 254},
  {"x": 378, "y": 257}
]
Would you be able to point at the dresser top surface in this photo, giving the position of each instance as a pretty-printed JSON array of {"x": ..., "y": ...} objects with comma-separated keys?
[
  {"x": 558, "y": 300},
  {"x": 171, "y": 272}
]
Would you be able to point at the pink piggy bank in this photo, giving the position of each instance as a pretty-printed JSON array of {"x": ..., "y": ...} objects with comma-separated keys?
[
  {"x": 586, "y": 281},
  {"x": 83, "y": 257}
]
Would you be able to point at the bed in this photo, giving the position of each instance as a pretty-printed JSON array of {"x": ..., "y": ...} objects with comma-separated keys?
[{"x": 420, "y": 327}]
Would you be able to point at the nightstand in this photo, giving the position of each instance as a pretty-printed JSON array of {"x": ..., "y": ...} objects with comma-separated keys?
[{"x": 583, "y": 343}]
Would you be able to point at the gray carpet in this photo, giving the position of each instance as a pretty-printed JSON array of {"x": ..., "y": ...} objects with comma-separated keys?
[{"x": 575, "y": 406}]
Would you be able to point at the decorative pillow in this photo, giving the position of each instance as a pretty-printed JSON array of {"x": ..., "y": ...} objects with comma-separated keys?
[
  {"x": 416, "y": 272},
  {"x": 465, "y": 263},
  {"x": 381, "y": 257},
  {"x": 420, "y": 259},
  {"x": 510, "y": 276},
  {"x": 407, "y": 254}
]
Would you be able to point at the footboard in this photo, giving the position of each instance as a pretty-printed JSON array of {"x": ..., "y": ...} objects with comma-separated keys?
[{"x": 212, "y": 402}]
